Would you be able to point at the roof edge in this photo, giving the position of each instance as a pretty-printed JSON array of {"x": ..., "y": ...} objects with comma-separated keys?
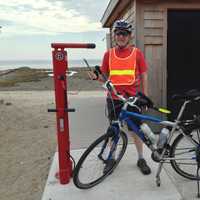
[{"x": 111, "y": 6}]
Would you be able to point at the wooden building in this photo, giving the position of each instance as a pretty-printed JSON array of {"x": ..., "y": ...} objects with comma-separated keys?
[{"x": 168, "y": 33}]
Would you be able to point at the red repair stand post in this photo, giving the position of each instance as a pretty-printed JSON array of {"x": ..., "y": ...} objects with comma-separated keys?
[{"x": 60, "y": 67}]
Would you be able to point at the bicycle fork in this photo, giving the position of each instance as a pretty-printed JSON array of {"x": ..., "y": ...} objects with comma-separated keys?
[
  {"x": 113, "y": 131},
  {"x": 113, "y": 142}
]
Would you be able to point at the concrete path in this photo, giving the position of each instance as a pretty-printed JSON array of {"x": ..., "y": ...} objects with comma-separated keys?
[{"x": 125, "y": 183}]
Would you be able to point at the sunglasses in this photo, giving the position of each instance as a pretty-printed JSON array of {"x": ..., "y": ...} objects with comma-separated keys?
[{"x": 123, "y": 33}]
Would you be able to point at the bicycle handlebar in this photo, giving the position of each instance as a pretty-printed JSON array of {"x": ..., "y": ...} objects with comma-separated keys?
[
  {"x": 141, "y": 98},
  {"x": 192, "y": 95},
  {"x": 144, "y": 101}
]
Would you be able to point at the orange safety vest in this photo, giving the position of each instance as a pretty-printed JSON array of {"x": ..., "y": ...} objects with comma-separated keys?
[{"x": 122, "y": 70}]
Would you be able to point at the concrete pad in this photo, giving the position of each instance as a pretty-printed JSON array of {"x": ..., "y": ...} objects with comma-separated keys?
[
  {"x": 126, "y": 182},
  {"x": 187, "y": 188}
]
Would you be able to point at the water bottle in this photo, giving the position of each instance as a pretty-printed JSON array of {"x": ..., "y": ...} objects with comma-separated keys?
[
  {"x": 148, "y": 132},
  {"x": 164, "y": 134}
]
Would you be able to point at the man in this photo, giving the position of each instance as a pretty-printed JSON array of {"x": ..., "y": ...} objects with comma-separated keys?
[{"x": 125, "y": 66}]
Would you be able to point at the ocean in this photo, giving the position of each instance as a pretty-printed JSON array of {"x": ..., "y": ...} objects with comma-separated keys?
[{"x": 43, "y": 64}]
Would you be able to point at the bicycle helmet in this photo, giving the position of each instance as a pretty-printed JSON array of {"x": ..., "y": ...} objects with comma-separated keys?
[{"x": 122, "y": 25}]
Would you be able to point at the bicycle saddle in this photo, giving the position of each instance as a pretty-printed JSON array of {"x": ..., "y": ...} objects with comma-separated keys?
[{"x": 189, "y": 95}]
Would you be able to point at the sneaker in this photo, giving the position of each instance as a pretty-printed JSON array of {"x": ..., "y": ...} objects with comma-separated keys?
[
  {"x": 109, "y": 164},
  {"x": 144, "y": 168}
]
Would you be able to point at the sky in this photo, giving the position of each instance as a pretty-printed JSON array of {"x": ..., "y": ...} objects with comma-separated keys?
[{"x": 30, "y": 26}]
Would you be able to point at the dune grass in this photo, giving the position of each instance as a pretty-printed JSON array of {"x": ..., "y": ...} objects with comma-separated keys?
[
  {"x": 23, "y": 74},
  {"x": 12, "y": 77}
]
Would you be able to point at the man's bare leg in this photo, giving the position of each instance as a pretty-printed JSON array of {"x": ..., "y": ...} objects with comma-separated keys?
[{"x": 141, "y": 163}]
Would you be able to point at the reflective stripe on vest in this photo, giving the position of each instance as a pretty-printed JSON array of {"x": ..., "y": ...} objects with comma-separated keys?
[{"x": 122, "y": 70}]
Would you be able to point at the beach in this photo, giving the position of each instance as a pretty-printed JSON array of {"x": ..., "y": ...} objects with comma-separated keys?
[{"x": 27, "y": 137}]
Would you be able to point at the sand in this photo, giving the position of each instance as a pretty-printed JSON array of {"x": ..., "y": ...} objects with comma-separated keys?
[
  {"x": 27, "y": 136},
  {"x": 27, "y": 143}
]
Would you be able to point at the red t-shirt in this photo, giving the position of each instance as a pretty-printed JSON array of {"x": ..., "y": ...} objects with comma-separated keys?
[{"x": 141, "y": 67}]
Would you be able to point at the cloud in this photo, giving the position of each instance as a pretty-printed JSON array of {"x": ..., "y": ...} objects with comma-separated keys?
[
  {"x": 91, "y": 8},
  {"x": 44, "y": 17}
]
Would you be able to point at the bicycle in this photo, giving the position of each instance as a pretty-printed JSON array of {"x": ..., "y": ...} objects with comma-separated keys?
[{"x": 183, "y": 151}]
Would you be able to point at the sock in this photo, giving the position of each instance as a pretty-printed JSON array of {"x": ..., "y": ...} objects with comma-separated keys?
[{"x": 140, "y": 156}]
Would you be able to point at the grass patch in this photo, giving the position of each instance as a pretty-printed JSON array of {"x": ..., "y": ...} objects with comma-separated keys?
[
  {"x": 7, "y": 83},
  {"x": 26, "y": 74},
  {"x": 23, "y": 74}
]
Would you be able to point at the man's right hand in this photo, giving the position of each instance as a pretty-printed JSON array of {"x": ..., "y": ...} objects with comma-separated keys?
[{"x": 92, "y": 75}]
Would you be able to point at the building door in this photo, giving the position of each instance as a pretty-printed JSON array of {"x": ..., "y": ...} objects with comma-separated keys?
[{"x": 183, "y": 57}]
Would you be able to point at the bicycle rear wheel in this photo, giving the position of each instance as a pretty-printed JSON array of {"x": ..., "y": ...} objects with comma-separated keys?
[
  {"x": 89, "y": 169},
  {"x": 184, "y": 154}
]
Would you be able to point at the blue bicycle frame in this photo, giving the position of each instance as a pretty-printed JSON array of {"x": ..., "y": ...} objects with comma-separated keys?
[{"x": 125, "y": 116}]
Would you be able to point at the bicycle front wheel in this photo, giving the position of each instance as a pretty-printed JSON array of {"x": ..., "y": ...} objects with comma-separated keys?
[
  {"x": 183, "y": 153},
  {"x": 89, "y": 170}
]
